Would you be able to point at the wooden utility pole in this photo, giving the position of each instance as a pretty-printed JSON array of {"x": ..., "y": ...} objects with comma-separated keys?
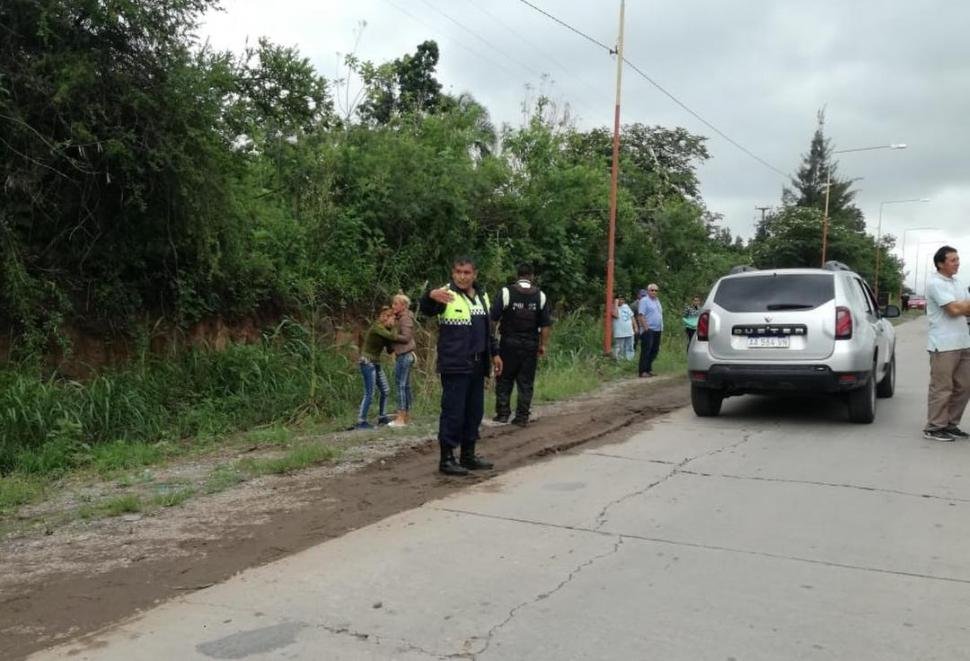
[{"x": 614, "y": 177}]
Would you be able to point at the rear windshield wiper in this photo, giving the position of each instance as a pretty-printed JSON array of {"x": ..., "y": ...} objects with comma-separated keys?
[{"x": 789, "y": 306}]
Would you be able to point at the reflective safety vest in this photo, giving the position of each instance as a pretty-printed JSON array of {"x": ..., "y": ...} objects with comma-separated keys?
[
  {"x": 460, "y": 310},
  {"x": 456, "y": 340}
]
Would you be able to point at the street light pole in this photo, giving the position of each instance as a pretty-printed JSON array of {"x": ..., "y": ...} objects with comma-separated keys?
[
  {"x": 825, "y": 215},
  {"x": 926, "y": 268},
  {"x": 879, "y": 236},
  {"x": 903, "y": 255},
  {"x": 828, "y": 187}
]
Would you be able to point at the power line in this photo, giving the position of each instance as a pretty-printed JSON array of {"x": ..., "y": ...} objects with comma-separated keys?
[
  {"x": 477, "y": 53},
  {"x": 705, "y": 122},
  {"x": 484, "y": 40},
  {"x": 673, "y": 98},
  {"x": 531, "y": 44},
  {"x": 567, "y": 26},
  {"x": 455, "y": 41}
]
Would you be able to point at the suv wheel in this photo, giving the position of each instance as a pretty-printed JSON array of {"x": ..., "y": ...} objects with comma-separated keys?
[
  {"x": 862, "y": 402},
  {"x": 706, "y": 401},
  {"x": 887, "y": 386}
]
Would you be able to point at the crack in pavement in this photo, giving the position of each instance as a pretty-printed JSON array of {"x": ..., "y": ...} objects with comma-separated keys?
[
  {"x": 859, "y": 487},
  {"x": 620, "y": 456},
  {"x": 716, "y": 547},
  {"x": 545, "y": 595},
  {"x": 602, "y": 517}
]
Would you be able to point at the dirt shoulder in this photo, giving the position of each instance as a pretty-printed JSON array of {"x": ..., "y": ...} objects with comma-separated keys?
[{"x": 58, "y": 584}]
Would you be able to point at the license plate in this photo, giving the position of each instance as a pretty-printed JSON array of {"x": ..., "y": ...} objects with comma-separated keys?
[{"x": 768, "y": 342}]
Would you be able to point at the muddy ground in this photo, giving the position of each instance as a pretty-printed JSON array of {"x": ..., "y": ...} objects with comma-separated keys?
[{"x": 61, "y": 583}]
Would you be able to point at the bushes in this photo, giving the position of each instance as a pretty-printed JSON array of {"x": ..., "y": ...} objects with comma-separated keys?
[{"x": 50, "y": 425}]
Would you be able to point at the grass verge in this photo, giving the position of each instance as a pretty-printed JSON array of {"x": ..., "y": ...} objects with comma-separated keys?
[{"x": 124, "y": 423}]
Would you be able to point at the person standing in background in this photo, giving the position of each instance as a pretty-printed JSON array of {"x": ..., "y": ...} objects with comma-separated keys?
[
  {"x": 691, "y": 313},
  {"x": 623, "y": 330},
  {"x": 404, "y": 358},
  {"x": 522, "y": 311},
  {"x": 378, "y": 336},
  {"x": 650, "y": 316}
]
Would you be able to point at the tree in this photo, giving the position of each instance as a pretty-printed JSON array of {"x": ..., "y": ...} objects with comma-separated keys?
[
  {"x": 792, "y": 236},
  {"x": 404, "y": 86},
  {"x": 809, "y": 183}
]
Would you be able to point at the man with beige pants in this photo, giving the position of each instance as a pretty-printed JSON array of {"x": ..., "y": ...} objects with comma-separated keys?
[{"x": 949, "y": 345}]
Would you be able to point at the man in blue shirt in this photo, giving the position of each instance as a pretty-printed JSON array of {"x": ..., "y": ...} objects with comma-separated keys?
[
  {"x": 650, "y": 316},
  {"x": 949, "y": 345}
]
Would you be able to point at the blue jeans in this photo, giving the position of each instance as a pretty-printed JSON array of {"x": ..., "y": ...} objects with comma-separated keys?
[
  {"x": 373, "y": 375},
  {"x": 402, "y": 376},
  {"x": 623, "y": 348}
]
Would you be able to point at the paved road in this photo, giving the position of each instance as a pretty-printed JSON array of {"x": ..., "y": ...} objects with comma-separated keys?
[{"x": 776, "y": 531}]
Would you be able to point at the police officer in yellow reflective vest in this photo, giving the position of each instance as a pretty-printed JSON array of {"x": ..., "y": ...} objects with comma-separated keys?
[{"x": 467, "y": 352}]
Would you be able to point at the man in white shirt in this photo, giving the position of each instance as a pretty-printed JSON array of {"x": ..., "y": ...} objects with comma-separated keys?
[{"x": 949, "y": 345}]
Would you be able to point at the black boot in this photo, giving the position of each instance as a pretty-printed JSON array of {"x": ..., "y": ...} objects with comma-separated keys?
[
  {"x": 448, "y": 465},
  {"x": 470, "y": 461}
]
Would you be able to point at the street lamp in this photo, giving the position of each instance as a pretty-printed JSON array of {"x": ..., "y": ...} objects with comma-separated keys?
[
  {"x": 926, "y": 268},
  {"x": 879, "y": 234},
  {"x": 915, "y": 272},
  {"x": 828, "y": 187}
]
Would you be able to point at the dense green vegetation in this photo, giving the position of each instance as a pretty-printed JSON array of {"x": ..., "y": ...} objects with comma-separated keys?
[
  {"x": 159, "y": 408},
  {"x": 147, "y": 177}
]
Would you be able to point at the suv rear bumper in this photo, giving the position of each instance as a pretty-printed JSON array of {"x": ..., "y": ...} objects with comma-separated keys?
[{"x": 738, "y": 379}]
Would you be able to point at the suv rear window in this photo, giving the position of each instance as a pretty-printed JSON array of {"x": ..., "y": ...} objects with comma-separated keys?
[{"x": 775, "y": 292}]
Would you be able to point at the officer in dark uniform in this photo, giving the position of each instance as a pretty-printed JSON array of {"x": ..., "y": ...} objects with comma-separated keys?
[
  {"x": 467, "y": 351},
  {"x": 522, "y": 311}
]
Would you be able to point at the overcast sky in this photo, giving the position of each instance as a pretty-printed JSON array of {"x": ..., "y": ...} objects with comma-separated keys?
[{"x": 893, "y": 71}]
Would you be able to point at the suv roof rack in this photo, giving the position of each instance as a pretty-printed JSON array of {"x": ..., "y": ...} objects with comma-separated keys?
[
  {"x": 741, "y": 268},
  {"x": 833, "y": 265}
]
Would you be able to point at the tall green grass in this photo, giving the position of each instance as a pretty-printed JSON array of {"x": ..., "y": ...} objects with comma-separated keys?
[
  {"x": 50, "y": 425},
  {"x": 159, "y": 406}
]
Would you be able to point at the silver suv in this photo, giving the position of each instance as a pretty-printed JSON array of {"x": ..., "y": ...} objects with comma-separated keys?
[{"x": 789, "y": 331}]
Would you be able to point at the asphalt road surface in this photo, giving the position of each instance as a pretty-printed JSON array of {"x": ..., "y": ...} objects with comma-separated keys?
[{"x": 775, "y": 531}]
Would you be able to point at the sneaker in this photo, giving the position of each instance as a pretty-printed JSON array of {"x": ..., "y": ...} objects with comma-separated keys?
[
  {"x": 937, "y": 435},
  {"x": 363, "y": 425},
  {"x": 520, "y": 422},
  {"x": 956, "y": 432},
  {"x": 501, "y": 418},
  {"x": 397, "y": 423},
  {"x": 384, "y": 420}
]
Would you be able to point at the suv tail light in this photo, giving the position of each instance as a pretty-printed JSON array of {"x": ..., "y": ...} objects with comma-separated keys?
[
  {"x": 843, "y": 323},
  {"x": 703, "y": 326}
]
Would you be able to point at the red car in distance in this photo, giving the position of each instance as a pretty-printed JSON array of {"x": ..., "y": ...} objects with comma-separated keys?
[{"x": 916, "y": 303}]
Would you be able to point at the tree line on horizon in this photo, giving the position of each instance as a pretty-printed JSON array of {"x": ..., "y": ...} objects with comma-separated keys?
[{"x": 147, "y": 175}]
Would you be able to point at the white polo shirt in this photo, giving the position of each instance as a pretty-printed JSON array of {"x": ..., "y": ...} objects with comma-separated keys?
[{"x": 946, "y": 333}]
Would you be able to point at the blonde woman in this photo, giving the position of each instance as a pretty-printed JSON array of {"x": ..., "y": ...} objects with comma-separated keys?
[{"x": 403, "y": 358}]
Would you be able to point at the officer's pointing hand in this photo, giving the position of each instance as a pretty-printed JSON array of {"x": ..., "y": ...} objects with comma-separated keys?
[
  {"x": 497, "y": 365},
  {"x": 442, "y": 295}
]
